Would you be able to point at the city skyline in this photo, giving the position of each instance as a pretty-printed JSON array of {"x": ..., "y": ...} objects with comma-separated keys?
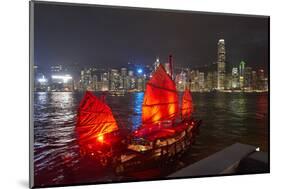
[
  {"x": 79, "y": 37},
  {"x": 133, "y": 78}
]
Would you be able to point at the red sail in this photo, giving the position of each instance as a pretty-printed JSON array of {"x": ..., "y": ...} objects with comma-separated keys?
[
  {"x": 160, "y": 99},
  {"x": 94, "y": 119},
  {"x": 187, "y": 107}
]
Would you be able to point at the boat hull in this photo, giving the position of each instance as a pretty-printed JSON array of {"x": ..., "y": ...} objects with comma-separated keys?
[
  {"x": 137, "y": 160},
  {"x": 124, "y": 160}
]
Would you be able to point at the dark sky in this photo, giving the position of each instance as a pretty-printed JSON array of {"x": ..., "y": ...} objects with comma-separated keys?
[{"x": 102, "y": 37}]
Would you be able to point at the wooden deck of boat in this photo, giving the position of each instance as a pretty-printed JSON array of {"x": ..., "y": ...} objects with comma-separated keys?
[{"x": 222, "y": 162}]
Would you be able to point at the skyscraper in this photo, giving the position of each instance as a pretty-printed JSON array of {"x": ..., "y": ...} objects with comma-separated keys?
[
  {"x": 235, "y": 78},
  {"x": 241, "y": 73},
  {"x": 123, "y": 79},
  {"x": 114, "y": 78},
  {"x": 86, "y": 79},
  {"x": 221, "y": 64},
  {"x": 180, "y": 80},
  {"x": 242, "y": 68},
  {"x": 209, "y": 81},
  {"x": 105, "y": 81},
  {"x": 261, "y": 79},
  {"x": 254, "y": 80},
  {"x": 201, "y": 81},
  {"x": 248, "y": 78}
]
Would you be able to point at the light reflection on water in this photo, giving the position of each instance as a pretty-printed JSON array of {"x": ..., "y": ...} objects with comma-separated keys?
[
  {"x": 137, "y": 107},
  {"x": 227, "y": 118}
]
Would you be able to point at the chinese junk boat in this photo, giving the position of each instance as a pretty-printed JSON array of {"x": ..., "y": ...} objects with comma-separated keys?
[{"x": 167, "y": 130}]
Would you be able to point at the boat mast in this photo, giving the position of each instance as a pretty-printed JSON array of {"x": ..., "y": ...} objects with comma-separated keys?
[{"x": 171, "y": 65}]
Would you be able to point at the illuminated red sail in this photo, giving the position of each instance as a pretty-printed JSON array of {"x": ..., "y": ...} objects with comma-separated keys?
[
  {"x": 160, "y": 99},
  {"x": 94, "y": 119},
  {"x": 187, "y": 107}
]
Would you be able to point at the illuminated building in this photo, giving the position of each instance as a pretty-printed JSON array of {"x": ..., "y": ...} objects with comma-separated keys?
[
  {"x": 265, "y": 84},
  {"x": 187, "y": 78},
  {"x": 86, "y": 79},
  {"x": 94, "y": 83},
  {"x": 131, "y": 80},
  {"x": 104, "y": 81},
  {"x": 183, "y": 79},
  {"x": 242, "y": 68},
  {"x": 62, "y": 83},
  {"x": 114, "y": 80},
  {"x": 123, "y": 79},
  {"x": 140, "y": 84},
  {"x": 123, "y": 72},
  {"x": 55, "y": 69},
  {"x": 228, "y": 81},
  {"x": 41, "y": 83},
  {"x": 209, "y": 81},
  {"x": 192, "y": 80},
  {"x": 92, "y": 79},
  {"x": 241, "y": 73},
  {"x": 235, "y": 78},
  {"x": 130, "y": 73},
  {"x": 261, "y": 79},
  {"x": 201, "y": 81},
  {"x": 254, "y": 80},
  {"x": 180, "y": 81},
  {"x": 248, "y": 78},
  {"x": 221, "y": 64}
]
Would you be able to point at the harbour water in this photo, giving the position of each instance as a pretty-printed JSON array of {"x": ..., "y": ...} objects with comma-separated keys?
[{"x": 227, "y": 118}]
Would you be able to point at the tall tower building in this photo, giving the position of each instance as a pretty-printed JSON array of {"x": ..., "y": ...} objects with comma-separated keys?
[
  {"x": 221, "y": 64},
  {"x": 254, "y": 80},
  {"x": 242, "y": 73},
  {"x": 113, "y": 80},
  {"x": 201, "y": 81},
  {"x": 248, "y": 78},
  {"x": 235, "y": 78},
  {"x": 123, "y": 78},
  {"x": 105, "y": 81}
]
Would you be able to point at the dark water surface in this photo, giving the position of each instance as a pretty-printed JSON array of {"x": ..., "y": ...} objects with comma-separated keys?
[{"x": 227, "y": 118}]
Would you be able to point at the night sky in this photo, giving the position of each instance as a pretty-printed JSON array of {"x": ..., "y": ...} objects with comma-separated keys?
[{"x": 99, "y": 37}]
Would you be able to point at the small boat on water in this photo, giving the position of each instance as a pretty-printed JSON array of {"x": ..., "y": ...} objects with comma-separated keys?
[{"x": 168, "y": 129}]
